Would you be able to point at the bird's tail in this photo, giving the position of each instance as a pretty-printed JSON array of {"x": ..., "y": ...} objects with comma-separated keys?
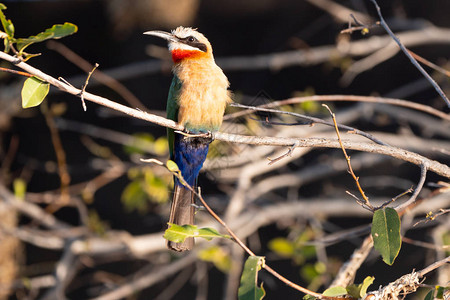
[{"x": 182, "y": 213}]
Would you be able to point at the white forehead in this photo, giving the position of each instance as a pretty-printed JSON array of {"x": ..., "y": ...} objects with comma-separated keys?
[{"x": 183, "y": 32}]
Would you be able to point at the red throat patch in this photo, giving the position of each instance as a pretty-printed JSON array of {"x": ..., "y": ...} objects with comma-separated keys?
[{"x": 180, "y": 54}]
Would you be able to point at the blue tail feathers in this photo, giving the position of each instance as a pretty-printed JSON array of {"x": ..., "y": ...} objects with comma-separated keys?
[{"x": 189, "y": 155}]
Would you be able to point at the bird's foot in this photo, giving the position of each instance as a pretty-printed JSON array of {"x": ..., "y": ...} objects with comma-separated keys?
[{"x": 204, "y": 135}]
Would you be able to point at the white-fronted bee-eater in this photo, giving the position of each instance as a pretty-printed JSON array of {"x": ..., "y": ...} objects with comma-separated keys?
[{"x": 197, "y": 99}]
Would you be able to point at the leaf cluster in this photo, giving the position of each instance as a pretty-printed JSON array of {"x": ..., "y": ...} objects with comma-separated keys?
[{"x": 34, "y": 89}]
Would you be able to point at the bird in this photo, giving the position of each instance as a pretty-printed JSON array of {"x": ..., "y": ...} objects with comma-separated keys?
[{"x": 198, "y": 96}]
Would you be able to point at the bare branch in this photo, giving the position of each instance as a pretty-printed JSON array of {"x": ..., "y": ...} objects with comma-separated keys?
[
  {"x": 434, "y": 266},
  {"x": 411, "y": 58},
  {"x": 347, "y": 158},
  {"x": 312, "y": 120},
  {"x": 412, "y": 199},
  {"x": 31, "y": 210},
  {"x": 414, "y": 158},
  {"x": 148, "y": 279},
  {"x": 350, "y": 98}
]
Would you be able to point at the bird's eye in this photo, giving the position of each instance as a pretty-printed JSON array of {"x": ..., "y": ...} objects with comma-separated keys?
[{"x": 191, "y": 39}]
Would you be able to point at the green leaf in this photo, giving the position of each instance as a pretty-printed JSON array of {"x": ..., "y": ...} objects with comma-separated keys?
[
  {"x": 360, "y": 290},
  {"x": 7, "y": 45},
  {"x": 282, "y": 247},
  {"x": 161, "y": 146},
  {"x": 20, "y": 187},
  {"x": 365, "y": 285},
  {"x": 219, "y": 257},
  {"x": 7, "y": 24},
  {"x": 134, "y": 197},
  {"x": 430, "y": 295},
  {"x": 440, "y": 291},
  {"x": 335, "y": 291},
  {"x": 249, "y": 289},
  {"x": 156, "y": 187},
  {"x": 96, "y": 224},
  {"x": 178, "y": 234},
  {"x": 210, "y": 233},
  {"x": 386, "y": 234},
  {"x": 33, "y": 92},
  {"x": 172, "y": 166},
  {"x": 140, "y": 143},
  {"x": 310, "y": 271},
  {"x": 55, "y": 32}
]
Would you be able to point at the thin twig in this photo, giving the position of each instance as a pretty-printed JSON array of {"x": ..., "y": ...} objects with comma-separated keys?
[
  {"x": 364, "y": 28},
  {"x": 429, "y": 64},
  {"x": 434, "y": 266},
  {"x": 288, "y": 153},
  {"x": 313, "y": 120},
  {"x": 16, "y": 72},
  {"x": 432, "y": 216},
  {"x": 412, "y": 199},
  {"x": 347, "y": 158},
  {"x": 394, "y": 198},
  {"x": 349, "y": 98},
  {"x": 411, "y": 58},
  {"x": 83, "y": 89},
  {"x": 424, "y": 244}
]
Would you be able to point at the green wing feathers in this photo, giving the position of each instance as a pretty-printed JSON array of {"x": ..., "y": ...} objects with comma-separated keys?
[{"x": 172, "y": 110}]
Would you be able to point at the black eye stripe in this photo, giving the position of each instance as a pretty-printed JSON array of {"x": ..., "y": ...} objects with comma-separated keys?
[{"x": 193, "y": 42}]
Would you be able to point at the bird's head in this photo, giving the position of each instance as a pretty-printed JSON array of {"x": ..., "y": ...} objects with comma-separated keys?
[{"x": 185, "y": 43}]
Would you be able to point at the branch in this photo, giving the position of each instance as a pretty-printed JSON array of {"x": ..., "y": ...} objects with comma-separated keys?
[
  {"x": 351, "y": 98},
  {"x": 414, "y": 158},
  {"x": 411, "y": 58},
  {"x": 412, "y": 199},
  {"x": 312, "y": 120},
  {"x": 91, "y": 97},
  {"x": 31, "y": 210},
  {"x": 434, "y": 266},
  {"x": 406, "y": 284},
  {"x": 148, "y": 279},
  {"x": 366, "y": 203}
]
